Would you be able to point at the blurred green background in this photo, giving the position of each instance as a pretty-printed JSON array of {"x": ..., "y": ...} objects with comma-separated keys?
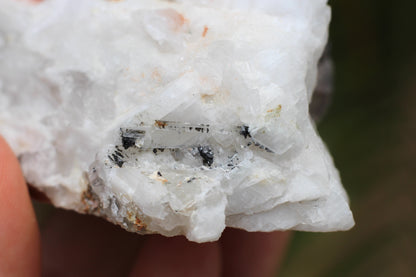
[{"x": 370, "y": 129}]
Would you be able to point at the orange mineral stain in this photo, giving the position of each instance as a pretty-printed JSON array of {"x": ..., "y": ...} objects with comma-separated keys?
[
  {"x": 182, "y": 19},
  {"x": 204, "y": 33},
  {"x": 160, "y": 124},
  {"x": 174, "y": 19}
]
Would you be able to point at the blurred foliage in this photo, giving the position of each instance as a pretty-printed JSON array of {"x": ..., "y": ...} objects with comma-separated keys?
[{"x": 370, "y": 130}]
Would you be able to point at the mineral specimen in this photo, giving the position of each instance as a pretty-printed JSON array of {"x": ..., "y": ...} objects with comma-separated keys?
[{"x": 171, "y": 117}]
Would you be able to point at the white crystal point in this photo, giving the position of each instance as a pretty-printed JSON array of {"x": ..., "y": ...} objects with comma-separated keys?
[{"x": 171, "y": 117}]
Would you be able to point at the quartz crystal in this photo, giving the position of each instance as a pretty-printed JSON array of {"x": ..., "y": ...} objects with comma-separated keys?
[{"x": 171, "y": 117}]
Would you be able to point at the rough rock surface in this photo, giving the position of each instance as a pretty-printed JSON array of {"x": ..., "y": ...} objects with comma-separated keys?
[{"x": 171, "y": 117}]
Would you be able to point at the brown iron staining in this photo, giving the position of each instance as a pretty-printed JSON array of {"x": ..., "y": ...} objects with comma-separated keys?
[
  {"x": 90, "y": 202},
  {"x": 161, "y": 124},
  {"x": 135, "y": 220},
  {"x": 276, "y": 111}
]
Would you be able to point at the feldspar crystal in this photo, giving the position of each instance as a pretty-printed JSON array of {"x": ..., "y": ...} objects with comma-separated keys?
[{"x": 171, "y": 117}]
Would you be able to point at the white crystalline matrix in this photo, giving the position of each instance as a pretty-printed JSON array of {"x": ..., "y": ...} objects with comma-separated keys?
[{"x": 171, "y": 117}]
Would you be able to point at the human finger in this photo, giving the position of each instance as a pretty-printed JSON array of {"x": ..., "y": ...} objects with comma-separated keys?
[
  {"x": 177, "y": 257},
  {"x": 85, "y": 245},
  {"x": 19, "y": 234},
  {"x": 247, "y": 254}
]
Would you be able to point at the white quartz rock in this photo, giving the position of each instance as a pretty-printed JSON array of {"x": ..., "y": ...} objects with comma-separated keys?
[{"x": 171, "y": 117}]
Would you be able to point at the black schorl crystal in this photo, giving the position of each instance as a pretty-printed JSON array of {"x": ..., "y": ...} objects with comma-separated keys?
[
  {"x": 206, "y": 154},
  {"x": 245, "y": 132},
  {"x": 129, "y": 137}
]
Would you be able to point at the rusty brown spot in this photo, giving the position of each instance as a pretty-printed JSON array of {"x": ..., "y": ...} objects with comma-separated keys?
[
  {"x": 87, "y": 195},
  {"x": 160, "y": 124},
  {"x": 207, "y": 97},
  {"x": 204, "y": 33},
  {"x": 90, "y": 202},
  {"x": 140, "y": 225}
]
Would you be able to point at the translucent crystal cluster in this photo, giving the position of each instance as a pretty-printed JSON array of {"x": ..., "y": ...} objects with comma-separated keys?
[{"x": 171, "y": 117}]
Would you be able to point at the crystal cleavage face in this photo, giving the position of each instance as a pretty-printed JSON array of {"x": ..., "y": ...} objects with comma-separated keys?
[{"x": 171, "y": 117}]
